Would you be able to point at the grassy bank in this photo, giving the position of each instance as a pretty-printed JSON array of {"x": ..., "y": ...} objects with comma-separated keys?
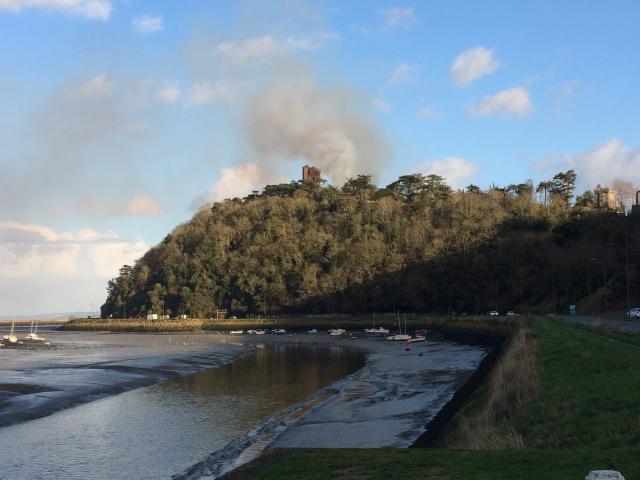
[
  {"x": 453, "y": 325},
  {"x": 577, "y": 410}
]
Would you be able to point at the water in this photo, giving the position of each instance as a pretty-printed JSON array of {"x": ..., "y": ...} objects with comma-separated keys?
[{"x": 157, "y": 431}]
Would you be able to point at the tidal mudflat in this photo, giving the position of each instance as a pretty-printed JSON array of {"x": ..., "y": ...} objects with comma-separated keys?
[
  {"x": 85, "y": 366},
  {"x": 387, "y": 403},
  {"x": 272, "y": 391}
]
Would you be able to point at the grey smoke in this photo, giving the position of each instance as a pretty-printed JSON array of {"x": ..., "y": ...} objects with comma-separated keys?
[{"x": 294, "y": 119}]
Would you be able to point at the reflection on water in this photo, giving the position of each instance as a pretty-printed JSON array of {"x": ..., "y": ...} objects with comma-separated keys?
[{"x": 154, "y": 432}]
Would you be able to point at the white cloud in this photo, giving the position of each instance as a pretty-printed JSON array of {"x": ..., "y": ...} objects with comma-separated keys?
[
  {"x": 404, "y": 74},
  {"x": 381, "y": 105},
  {"x": 513, "y": 101},
  {"x": 94, "y": 88},
  {"x": 142, "y": 206},
  {"x": 426, "y": 113},
  {"x": 108, "y": 257},
  {"x": 269, "y": 46},
  {"x": 236, "y": 182},
  {"x": 473, "y": 64},
  {"x": 147, "y": 23},
  {"x": 139, "y": 205},
  {"x": 169, "y": 93},
  {"x": 203, "y": 93},
  {"x": 91, "y": 9},
  {"x": 605, "y": 163},
  {"x": 30, "y": 250},
  {"x": 454, "y": 170},
  {"x": 398, "y": 17}
]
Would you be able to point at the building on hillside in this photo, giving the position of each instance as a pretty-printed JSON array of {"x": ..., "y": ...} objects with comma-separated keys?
[
  {"x": 606, "y": 197},
  {"x": 635, "y": 208},
  {"x": 310, "y": 174}
]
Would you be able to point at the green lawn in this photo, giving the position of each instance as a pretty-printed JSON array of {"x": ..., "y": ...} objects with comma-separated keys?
[{"x": 586, "y": 416}]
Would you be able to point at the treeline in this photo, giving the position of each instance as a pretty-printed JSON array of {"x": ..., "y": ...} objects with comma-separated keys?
[{"x": 414, "y": 245}]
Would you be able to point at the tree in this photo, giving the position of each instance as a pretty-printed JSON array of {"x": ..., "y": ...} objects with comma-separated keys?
[
  {"x": 625, "y": 192},
  {"x": 436, "y": 186},
  {"x": 414, "y": 245},
  {"x": 520, "y": 189},
  {"x": 359, "y": 185},
  {"x": 156, "y": 297},
  {"x": 409, "y": 186},
  {"x": 586, "y": 200},
  {"x": 563, "y": 185},
  {"x": 546, "y": 187}
]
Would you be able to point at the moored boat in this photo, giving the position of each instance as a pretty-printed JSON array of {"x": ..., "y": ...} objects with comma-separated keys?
[
  {"x": 10, "y": 339},
  {"x": 376, "y": 331},
  {"x": 400, "y": 337},
  {"x": 417, "y": 338},
  {"x": 33, "y": 336}
]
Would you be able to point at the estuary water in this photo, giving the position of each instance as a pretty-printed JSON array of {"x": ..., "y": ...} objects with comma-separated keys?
[{"x": 156, "y": 431}]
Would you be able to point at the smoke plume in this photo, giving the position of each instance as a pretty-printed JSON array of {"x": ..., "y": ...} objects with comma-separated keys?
[{"x": 294, "y": 119}]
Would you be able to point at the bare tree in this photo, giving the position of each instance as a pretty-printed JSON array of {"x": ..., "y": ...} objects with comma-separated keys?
[{"x": 625, "y": 192}]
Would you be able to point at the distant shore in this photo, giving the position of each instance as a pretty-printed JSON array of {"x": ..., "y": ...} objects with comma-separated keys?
[
  {"x": 461, "y": 327},
  {"x": 28, "y": 322}
]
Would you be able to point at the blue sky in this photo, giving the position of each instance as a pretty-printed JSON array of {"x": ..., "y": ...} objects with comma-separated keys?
[{"x": 121, "y": 117}]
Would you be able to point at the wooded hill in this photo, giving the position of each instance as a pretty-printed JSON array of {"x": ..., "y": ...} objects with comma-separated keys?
[{"x": 414, "y": 246}]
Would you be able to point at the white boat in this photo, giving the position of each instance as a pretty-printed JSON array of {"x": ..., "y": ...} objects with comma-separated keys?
[
  {"x": 236, "y": 332},
  {"x": 376, "y": 331},
  {"x": 33, "y": 337},
  {"x": 417, "y": 338},
  {"x": 313, "y": 330},
  {"x": 11, "y": 338},
  {"x": 260, "y": 332},
  {"x": 400, "y": 337},
  {"x": 336, "y": 332},
  {"x": 279, "y": 331}
]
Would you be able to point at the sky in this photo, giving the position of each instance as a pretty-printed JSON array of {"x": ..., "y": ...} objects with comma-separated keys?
[{"x": 120, "y": 118}]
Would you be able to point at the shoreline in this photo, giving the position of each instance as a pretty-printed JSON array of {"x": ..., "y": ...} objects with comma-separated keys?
[
  {"x": 60, "y": 381},
  {"x": 387, "y": 403},
  {"x": 391, "y": 402}
]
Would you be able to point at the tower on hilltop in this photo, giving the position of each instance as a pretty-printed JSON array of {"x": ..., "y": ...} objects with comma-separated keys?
[{"x": 310, "y": 174}]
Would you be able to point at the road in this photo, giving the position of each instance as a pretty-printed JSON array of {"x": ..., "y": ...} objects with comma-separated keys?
[{"x": 632, "y": 326}]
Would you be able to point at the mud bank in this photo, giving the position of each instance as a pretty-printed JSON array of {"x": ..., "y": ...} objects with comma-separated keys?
[
  {"x": 86, "y": 366},
  {"x": 388, "y": 403}
]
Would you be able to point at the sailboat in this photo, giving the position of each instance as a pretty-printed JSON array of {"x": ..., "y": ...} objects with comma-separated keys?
[
  {"x": 11, "y": 338},
  {"x": 400, "y": 337},
  {"x": 376, "y": 331},
  {"x": 33, "y": 337}
]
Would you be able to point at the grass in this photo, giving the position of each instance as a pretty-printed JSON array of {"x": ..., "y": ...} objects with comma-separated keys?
[
  {"x": 384, "y": 464},
  {"x": 581, "y": 414},
  {"x": 590, "y": 390},
  {"x": 487, "y": 423}
]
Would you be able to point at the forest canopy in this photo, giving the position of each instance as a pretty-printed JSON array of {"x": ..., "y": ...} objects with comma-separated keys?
[{"x": 414, "y": 245}]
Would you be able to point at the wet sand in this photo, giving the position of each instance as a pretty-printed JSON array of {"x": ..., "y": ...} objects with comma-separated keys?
[
  {"x": 387, "y": 403},
  {"x": 81, "y": 367}
]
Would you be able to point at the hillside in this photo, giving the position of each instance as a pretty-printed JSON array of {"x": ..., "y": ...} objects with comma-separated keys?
[{"x": 414, "y": 245}]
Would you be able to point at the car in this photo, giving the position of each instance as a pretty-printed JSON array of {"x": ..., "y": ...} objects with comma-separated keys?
[
  {"x": 634, "y": 312},
  {"x": 510, "y": 313},
  {"x": 493, "y": 313}
]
